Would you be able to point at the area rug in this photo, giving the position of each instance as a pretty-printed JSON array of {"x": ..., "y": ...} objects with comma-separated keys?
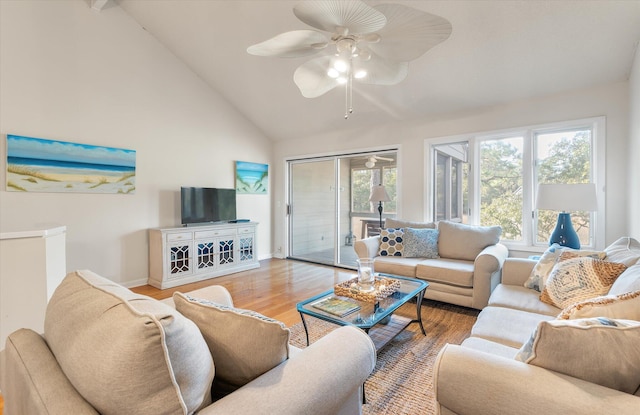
[{"x": 402, "y": 382}]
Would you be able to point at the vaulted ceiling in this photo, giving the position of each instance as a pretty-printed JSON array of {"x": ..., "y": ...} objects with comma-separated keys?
[{"x": 499, "y": 52}]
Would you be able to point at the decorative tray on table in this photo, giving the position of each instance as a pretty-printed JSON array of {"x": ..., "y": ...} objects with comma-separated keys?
[{"x": 383, "y": 287}]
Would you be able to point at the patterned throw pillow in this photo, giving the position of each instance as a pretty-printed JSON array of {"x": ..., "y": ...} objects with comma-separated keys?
[
  {"x": 575, "y": 278},
  {"x": 542, "y": 269},
  {"x": 625, "y": 306},
  {"x": 599, "y": 350},
  {"x": 421, "y": 243},
  {"x": 391, "y": 242}
]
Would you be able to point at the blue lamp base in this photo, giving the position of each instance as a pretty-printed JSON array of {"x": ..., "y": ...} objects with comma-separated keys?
[{"x": 564, "y": 234}]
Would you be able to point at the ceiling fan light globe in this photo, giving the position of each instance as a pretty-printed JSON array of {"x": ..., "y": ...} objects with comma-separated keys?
[
  {"x": 369, "y": 164},
  {"x": 333, "y": 73},
  {"x": 360, "y": 74},
  {"x": 340, "y": 65}
]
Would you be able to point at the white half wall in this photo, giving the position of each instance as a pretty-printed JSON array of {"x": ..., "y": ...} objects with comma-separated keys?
[
  {"x": 611, "y": 101},
  {"x": 69, "y": 73},
  {"x": 634, "y": 148}
]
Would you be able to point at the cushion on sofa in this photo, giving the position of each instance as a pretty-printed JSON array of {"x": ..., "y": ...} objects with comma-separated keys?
[
  {"x": 396, "y": 265},
  {"x": 506, "y": 326},
  {"x": 518, "y": 297},
  {"x": 460, "y": 241},
  {"x": 599, "y": 350},
  {"x": 124, "y": 352},
  {"x": 391, "y": 242},
  {"x": 627, "y": 282},
  {"x": 625, "y": 250},
  {"x": 398, "y": 223},
  {"x": 420, "y": 243},
  {"x": 575, "y": 278},
  {"x": 624, "y": 306},
  {"x": 447, "y": 271},
  {"x": 244, "y": 344},
  {"x": 542, "y": 269}
]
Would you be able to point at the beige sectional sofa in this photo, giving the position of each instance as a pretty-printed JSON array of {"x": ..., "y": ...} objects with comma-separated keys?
[
  {"x": 108, "y": 350},
  {"x": 466, "y": 270},
  {"x": 570, "y": 353}
]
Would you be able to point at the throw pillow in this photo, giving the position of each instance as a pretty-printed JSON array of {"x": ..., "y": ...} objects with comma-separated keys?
[
  {"x": 624, "y": 306},
  {"x": 243, "y": 343},
  {"x": 625, "y": 250},
  {"x": 543, "y": 267},
  {"x": 599, "y": 350},
  {"x": 124, "y": 352},
  {"x": 398, "y": 223},
  {"x": 627, "y": 282},
  {"x": 391, "y": 242},
  {"x": 421, "y": 243},
  {"x": 460, "y": 241},
  {"x": 575, "y": 278}
]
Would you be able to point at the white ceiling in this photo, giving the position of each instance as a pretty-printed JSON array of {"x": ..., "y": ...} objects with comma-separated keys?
[{"x": 499, "y": 51}]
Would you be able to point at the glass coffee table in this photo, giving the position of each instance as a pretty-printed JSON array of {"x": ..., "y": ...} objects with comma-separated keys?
[{"x": 377, "y": 319}]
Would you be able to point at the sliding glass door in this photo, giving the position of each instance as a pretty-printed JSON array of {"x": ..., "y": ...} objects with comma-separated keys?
[{"x": 329, "y": 204}]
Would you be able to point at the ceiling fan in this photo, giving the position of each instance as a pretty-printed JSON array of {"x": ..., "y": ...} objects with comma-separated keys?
[
  {"x": 372, "y": 45},
  {"x": 371, "y": 161}
]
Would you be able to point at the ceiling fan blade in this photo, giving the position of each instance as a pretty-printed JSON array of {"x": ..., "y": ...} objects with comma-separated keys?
[
  {"x": 312, "y": 79},
  {"x": 381, "y": 71},
  {"x": 336, "y": 15},
  {"x": 409, "y": 32},
  {"x": 295, "y": 44}
]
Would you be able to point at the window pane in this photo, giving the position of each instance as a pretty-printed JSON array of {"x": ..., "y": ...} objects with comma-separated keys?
[
  {"x": 564, "y": 157},
  {"x": 501, "y": 197},
  {"x": 389, "y": 175},
  {"x": 440, "y": 185},
  {"x": 360, "y": 189}
]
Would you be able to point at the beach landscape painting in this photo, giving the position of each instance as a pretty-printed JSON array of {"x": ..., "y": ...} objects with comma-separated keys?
[
  {"x": 41, "y": 165},
  {"x": 252, "y": 178}
]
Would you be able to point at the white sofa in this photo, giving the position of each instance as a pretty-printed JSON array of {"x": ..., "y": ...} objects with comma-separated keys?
[
  {"x": 482, "y": 376},
  {"x": 465, "y": 273},
  {"x": 107, "y": 350}
]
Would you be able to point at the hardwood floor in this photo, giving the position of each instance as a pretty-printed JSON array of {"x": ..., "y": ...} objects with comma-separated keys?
[{"x": 272, "y": 290}]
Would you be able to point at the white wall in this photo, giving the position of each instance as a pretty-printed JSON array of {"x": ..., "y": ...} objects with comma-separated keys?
[
  {"x": 610, "y": 101},
  {"x": 634, "y": 148},
  {"x": 71, "y": 74}
]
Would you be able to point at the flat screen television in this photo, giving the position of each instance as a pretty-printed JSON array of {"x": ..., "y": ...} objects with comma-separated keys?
[{"x": 204, "y": 205}]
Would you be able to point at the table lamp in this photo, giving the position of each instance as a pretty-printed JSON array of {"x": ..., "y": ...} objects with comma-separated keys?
[
  {"x": 566, "y": 198},
  {"x": 379, "y": 195}
]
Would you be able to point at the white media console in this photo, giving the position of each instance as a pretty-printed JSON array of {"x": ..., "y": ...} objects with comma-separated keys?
[{"x": 182, "y": 255}]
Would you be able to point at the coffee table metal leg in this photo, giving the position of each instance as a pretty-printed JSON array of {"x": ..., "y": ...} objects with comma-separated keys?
[
  {"x": 419, "y": 311},
  {"x": 306, "y": 331}
]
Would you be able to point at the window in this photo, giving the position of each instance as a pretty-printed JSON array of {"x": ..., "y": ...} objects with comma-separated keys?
[
  {"x": 497, "y": 180},
  {"x": 450, "y": 181},
  {"x": 361, "y": 181}
]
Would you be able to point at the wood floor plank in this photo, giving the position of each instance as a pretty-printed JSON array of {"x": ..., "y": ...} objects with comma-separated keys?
[{"x": 272, "y": 290}]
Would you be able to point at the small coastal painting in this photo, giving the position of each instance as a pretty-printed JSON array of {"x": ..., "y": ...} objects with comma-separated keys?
[
  {"x": 40, "y": 165},
  {"x": 252, "y": 178}
]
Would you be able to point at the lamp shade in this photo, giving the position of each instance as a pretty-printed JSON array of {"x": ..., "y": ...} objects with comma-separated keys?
[
  {"x": 379, "y": 194},
  {"x": 567, "y": 197}
]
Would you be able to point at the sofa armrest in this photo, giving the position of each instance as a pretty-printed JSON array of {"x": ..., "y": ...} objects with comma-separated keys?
[
  {"x": 467, "y": 381},
  {"x": 324, "y": 378},
  {"x": 486, "y": 273},
  {"x": 367, "y": 247},
  {"x": 516, "y": 270},
  {"x": 33, "y": 382}
]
